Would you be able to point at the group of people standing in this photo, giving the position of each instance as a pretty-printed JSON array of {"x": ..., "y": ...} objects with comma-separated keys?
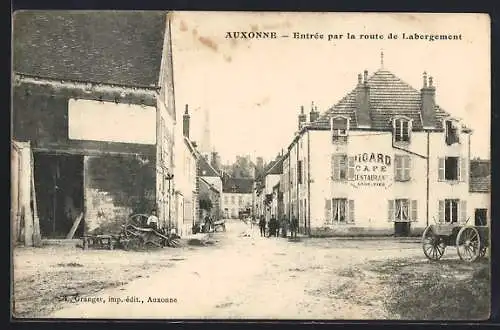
[{"x": 273, "y": 227}]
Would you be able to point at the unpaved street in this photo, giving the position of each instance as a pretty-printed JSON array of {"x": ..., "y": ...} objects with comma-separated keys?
[{"x": 247, "y": 276}]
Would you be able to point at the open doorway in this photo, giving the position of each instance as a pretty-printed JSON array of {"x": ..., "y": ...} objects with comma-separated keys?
[
  {"x": 59, "y": 190},
  {"x": 402, "y": 229},
  {"x": 480, "y": 217}
]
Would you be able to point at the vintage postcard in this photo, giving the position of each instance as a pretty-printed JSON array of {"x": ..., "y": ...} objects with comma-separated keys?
[{"x": 250, "y": 165}]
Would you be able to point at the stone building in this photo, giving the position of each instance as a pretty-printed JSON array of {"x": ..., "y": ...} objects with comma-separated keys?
[
  {"x": 236, "y": 196},
  {"x": 93, "y": 102},
  {"x": 386, "y": 159}
]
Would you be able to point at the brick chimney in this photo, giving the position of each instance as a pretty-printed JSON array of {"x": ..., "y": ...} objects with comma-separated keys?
[
  {"x": 302, "y": 117},
  {"x": 314, "y": 114},
  {"x": 428, "y": 94},
  {"x": 363, "y": 101},
  {"x": 185, "y": 122}
]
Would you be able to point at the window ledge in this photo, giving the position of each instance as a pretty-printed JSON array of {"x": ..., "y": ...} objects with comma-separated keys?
[
  {"x": 402, "y": 143},
  {"x": 401, "y": 180}
]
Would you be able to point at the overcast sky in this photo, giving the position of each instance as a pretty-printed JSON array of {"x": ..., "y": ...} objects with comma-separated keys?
[{"x": 253, "y": 89}]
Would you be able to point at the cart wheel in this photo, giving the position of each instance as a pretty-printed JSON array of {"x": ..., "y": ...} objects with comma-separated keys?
[
  {"x": 468, "y": 244},
  {"x": 432, "y": 245}
]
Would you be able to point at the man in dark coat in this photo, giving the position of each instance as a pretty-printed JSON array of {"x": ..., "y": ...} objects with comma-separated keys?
[
  {"x": 294, "y": 226},
  {"x": 262, "y": 225}
]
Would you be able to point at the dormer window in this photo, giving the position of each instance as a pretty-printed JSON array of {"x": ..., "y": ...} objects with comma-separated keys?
[
  {"x": 401, "y": 129},
  {"x": 451, "y": 132},
  {"x": 340, "y": 129}
]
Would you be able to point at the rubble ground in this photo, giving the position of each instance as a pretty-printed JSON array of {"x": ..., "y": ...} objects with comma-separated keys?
[{"x": 246, "y": 276}]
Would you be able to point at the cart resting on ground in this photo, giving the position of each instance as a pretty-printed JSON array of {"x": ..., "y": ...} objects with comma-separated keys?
[
  {"x": 134, "y": 235},
  {"x": 471, "y": 241}
]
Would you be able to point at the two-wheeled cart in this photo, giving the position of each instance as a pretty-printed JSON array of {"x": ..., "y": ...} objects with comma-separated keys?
[{"x": 471, "y": 242}]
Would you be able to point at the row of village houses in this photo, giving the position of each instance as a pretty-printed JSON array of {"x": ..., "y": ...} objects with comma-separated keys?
[
  {"x": 95, "y": 132},
  {"x": 386, "y": 159}
]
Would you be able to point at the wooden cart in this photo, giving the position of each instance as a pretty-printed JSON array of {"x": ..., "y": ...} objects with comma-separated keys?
[{"x": 471, "y": 242}]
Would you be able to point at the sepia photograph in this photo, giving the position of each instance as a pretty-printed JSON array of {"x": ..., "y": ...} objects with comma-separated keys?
[{"x": 190, "y": 165}]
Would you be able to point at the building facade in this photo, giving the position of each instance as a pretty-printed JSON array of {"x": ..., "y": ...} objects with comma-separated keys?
[
  {"x": 386, "y": 160},
  {"x": 101, "y": 138},
  {"x": 236, "y": 197}
]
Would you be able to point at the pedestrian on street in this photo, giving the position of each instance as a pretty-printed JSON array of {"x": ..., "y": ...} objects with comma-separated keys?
[
  {"x": 272, "y": 226},
  {"x": 294, "y": 226},
  {"x": 262, "y": 225},
  {"x": 284, "y": 226}
]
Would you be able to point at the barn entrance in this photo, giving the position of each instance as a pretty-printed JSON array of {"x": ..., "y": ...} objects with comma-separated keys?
[
  {"x": 402, "y": 229},
  {"x": 59, "y": 191}
]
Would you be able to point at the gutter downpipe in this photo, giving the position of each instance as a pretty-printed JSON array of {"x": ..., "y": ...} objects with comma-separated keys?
[
  {"x": 427, "y": 188},
  {"x": 308, "y": 184}
]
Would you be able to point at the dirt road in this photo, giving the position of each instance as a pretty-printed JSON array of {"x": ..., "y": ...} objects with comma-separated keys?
[{"x": 248, "y": 276}]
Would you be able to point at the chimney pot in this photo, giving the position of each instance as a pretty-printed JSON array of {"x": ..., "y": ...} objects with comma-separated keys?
[
  {"x": 187, "y": 109},
  {"x": 359, "y": 79},
  {"x": 425, "y": 79},
  {"x": 366, "y": 76},
  {"x": 430, "y": 81}
]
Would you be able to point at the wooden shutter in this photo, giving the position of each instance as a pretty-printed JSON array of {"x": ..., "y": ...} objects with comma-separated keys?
[
  {"x": 328, "y": 211},
  {"x": 351, "y": 167},
  {"x": 397, "y": 168},
  {"x": 441, "y": 207},
  {"x": 441, "y": 169},
  {"x": 413, "y": 213},
  {"x": 462, "y": 170},
  {"x": 390, "y": 213},
  {"x": 334, "y": 168},
  {"x": 406, "y": 167},
  {"x": 351, "y": 211},
  {"x": 463, "y": 210}
]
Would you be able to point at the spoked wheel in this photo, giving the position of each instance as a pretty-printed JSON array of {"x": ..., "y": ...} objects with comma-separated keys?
[
  {"x": 468, "y": 244},
  {"x": 432, "y": 245}
]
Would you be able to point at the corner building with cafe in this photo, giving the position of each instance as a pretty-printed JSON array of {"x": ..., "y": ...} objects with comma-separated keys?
[{"x": 384, "y": 160}]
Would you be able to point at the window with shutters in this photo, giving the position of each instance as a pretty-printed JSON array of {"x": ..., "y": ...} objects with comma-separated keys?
[
  {"x": 402, "y": 210},
  {"x": 339, "y": 167},
  {"x": 449, "y": 210},
  {"x": 452, "y": 169},
  {"x": 402, "y": 167},
  {"x": 401, "y": 129},
  {"x": 340, "y": 129},
  {"x": 342, "y": 210},
  {"x": 451, "y": 132}
]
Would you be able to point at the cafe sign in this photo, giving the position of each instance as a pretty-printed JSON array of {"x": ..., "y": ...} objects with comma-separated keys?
[{"x": 372, "y": 170}]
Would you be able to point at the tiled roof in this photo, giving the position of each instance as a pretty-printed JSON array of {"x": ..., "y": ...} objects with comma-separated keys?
[
  {"x": 204, "y": 168},
  {"x": 275, "y": 167},
  {"x": 208, "y": 185},
  {"x": 389, "y": 96},
  {"x": 241, "y": 186},
  {"x": 480, "y": 184},
  {"x": 114, "y": 47}
]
